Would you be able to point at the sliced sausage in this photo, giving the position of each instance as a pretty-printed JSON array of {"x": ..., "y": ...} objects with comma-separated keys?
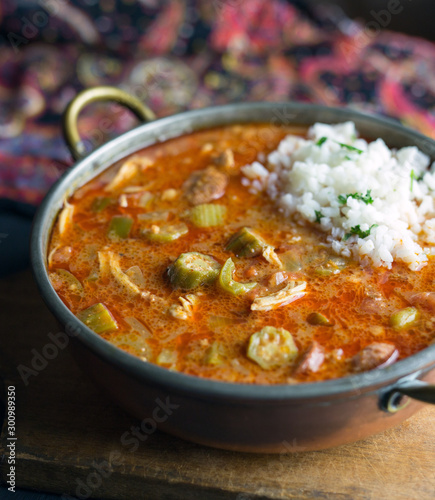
[
  {"x": 311, "y": 360},
  {"x": 60, "y": 255},
  {"x": 205, "y": 185},
  {"x": 376, "y": 355},
  {"x": 423, "y": 299}
]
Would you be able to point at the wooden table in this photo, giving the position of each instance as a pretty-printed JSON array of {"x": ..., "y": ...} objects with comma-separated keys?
[{"x": 69, "y": 439}]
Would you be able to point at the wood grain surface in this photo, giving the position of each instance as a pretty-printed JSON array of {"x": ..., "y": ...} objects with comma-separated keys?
[{"x": 70, "y": 438}]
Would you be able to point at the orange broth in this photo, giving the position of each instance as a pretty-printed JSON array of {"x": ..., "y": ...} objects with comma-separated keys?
[{"x": 357, "y": 300}]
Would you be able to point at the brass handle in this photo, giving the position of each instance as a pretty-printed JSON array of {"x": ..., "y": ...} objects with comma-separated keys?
[
  {"x": 393, "y": 400},
  {"x": 422, "y": 391},
  {"x": 87, "y": 96}
]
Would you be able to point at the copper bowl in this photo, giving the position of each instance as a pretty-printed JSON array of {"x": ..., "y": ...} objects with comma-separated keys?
[{"x": 255, "y": 418}]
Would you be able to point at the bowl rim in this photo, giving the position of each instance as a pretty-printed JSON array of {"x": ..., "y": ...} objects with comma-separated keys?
[{"x": 195, "y": 386}]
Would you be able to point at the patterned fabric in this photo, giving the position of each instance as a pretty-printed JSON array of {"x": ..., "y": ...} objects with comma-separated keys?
[{"x": 183, "y": 54}]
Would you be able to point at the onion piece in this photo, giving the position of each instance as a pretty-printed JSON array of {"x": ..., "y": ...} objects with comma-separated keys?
[
  {"x": 63, "y": 278},
  {"x": 136, "y": 276},
  {"x": 131, "y": 342},
  {"x": 424, "y": 299},
  {"x": 138, "y": 327},
  {"x": 59, "y": 255},
  {"x": 103, "y": 258},
  {"x": 167, "y": 358},
  {"x": 66, "y": 217}
]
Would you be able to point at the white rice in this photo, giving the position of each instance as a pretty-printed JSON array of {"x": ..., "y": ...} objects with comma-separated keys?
[{"x": 306, "y": 179}]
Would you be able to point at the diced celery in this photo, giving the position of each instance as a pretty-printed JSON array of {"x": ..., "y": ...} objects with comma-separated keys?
[
  {"x": 154, "y": 217},
  {"x": 208, "y": 215},
  {"x": 165, "y": 233},
  {"x": 120, "y": 226},
  {"x": 98, "y": 318},
  {"x": 213, "y": 355},
  {"x": 100, "y": 204}
]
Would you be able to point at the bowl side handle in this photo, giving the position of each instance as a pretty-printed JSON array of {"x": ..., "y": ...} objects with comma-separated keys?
[
  {"x": 396, "y": 397},
  {"x": 87, "y": 96}
]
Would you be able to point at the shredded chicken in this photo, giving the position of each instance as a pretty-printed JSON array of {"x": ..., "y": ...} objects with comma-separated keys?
[
  {"x": 66, "y": 217},
  {"x": 132, "y": 168},
  {"x": 121, "y": 277},
  {"x": 103, "y": 259},
  {"x": 291, "y": 292},
  {"x": 271, "y": 257},
  {"x": 185, "y": 310},
  {"x": 109, "y": 263}
]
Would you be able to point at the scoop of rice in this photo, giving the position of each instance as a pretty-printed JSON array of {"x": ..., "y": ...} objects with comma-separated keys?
[{"x": 373, "y": 202}]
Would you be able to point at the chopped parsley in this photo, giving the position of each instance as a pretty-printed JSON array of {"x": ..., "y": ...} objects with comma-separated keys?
[
  {"x": 357, "y": 230},
  {"x": 350, "y": 148},
  {"x": 347, "y": 146},
  {"x": 367, "y": 199},
  {"x": 321, "y": 141},
  {"x": 319, "y": 215},
  {"x": 414, "y": 177}
]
